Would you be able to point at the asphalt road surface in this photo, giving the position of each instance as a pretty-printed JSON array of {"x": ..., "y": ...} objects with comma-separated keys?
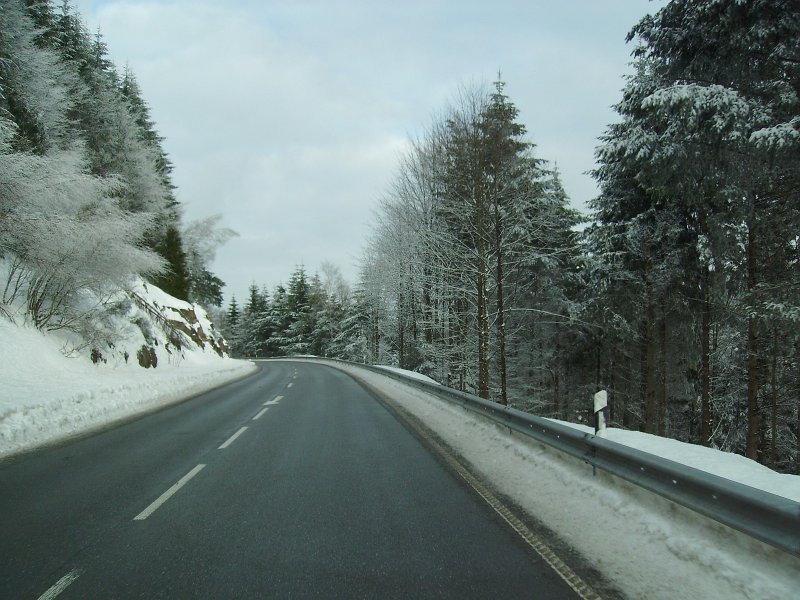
[{"x": 293, "y": 483}]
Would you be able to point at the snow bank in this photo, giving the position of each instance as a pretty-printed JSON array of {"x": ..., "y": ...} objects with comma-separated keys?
[
  {"x": 644, "y": 545},
  {"x": 411, "y": 374},
  {"x": 52, "y": 390},
  {"x": 734, "y": 467}
]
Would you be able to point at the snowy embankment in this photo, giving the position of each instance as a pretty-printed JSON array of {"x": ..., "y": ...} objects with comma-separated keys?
[
  {"x": 411, "y": 374},
  {"x": 646, "y": 546},
  {"x": 167, "y": 351},
  {"x": 733, "y": 467}
]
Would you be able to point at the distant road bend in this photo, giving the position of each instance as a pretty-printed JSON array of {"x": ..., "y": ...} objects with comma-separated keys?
[{"x": 293, "y": 483}]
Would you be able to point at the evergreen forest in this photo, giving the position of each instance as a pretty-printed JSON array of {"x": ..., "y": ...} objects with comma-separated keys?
[
  {"x": 679, "y": 293},
  {"x": 86, "y": 197}
]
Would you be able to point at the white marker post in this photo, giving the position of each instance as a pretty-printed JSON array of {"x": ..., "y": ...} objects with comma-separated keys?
[
  {"x": 600, "y": 408},
  {"x": 600, "y": 405}
]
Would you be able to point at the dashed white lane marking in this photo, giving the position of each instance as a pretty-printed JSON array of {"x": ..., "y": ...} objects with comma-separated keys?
[
  {"x": 259, "y": 415},
  {"x": 274, "y": 401},
  {"x": 168, "y": 494},
  {"x": 290, "y": 384},
  {"x": 60, "y": 586},
  {"x": 232, "y": 438}
]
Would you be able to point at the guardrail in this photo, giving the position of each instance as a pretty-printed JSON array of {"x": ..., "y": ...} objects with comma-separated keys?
[{"x": 766, "y": 517}]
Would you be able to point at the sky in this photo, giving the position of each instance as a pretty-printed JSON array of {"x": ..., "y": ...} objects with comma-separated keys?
[{"x": 288, "y": 117}]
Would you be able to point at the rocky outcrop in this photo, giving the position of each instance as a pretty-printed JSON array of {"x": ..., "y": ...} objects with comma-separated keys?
[{"x": 171, "y": 326}]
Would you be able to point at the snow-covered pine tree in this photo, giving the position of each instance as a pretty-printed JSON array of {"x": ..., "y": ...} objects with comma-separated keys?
[
  {"x": 696, "y": 215},
  {"x": 300, "y": 314},
  {"x": 730, "y": 77},
  {"x": 542, "y": 256},
  {"x": 65, "y": 240}
]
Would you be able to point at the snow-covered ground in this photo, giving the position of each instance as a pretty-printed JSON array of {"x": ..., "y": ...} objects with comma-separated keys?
[
  {"x": 734, "y": 467},
  {"x": 723, "y": 464},
  {"x": 646, "y": 546},
  {"x": 411, "y": 374},
  {"x": 51, "y": 391}
]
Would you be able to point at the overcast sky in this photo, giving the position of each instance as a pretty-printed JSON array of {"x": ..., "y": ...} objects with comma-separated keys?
[{"x": 288, "y": 116}]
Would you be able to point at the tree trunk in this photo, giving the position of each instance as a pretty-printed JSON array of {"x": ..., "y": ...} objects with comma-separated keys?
[
  {"x": 483, "y": 330},
  {"x": 618, "y": 405},
  {"x": 501, "y": 310},
  {"x": 797, "y": 422},
  {"x": 753, "y": 416},
  {"x": 662, "y": 380},
  {"x": 560, "y": 409},
  {"x": 773, "y": 453},
  {"x": 463, "y": 333},
  {"x": 598, "y": 357},
  {"x": 414, "y": 316},
  {"x": 401, "y": 342},
  {"x": 428, "y": 312},
  {"x": 650, "y": 363},
  {"x": 753, "y": 421},
  {"x": 706, "y": 414}
]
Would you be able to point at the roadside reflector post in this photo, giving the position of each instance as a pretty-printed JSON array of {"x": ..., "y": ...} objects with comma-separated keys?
[{"x": 600, "y": 410}]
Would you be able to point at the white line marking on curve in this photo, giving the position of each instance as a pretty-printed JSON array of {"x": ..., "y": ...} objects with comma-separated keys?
[
  {"x": 60, "y": 586},
  {"x": 273, "y": 402},
  {"x": 168, "y": 494},
  {"x": 260, "y": 414},
  {"x": 232, "y": 438},
  {"x": 290, "y": 385}
]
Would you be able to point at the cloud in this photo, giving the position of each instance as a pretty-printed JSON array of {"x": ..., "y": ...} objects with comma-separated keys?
[{"x": 288, "y": 115}]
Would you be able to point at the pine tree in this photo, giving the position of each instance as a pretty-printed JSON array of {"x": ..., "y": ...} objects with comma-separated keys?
[
  {"x": 695, "y": 223},
  {"x": 730, "y": 77},
  {"x": 281, "y": 319},
  {"x": 62, "y": 232},
  {"x": 175, "y": 281},
  {"x": 517, "y": 212},
  {"x": 253, "y": 339},
  {"x": 119, "y": 135},
  {"x": 233, "y": 313},
  {"x": 35, "y": 88},
  {"x": 300, "y": 316}
]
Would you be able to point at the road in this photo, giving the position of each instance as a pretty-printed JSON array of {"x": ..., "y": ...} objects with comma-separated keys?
[{"x": 293, "y": 483}]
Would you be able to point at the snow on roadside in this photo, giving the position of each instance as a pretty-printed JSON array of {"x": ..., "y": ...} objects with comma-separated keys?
[
  {"x": 723, "y": 464},
  {"x": 411, "y": 374},
  {"x": 733, "y": 467},
  {"x": 46, "y": 396},
  {"x": 644, "y": 545}
]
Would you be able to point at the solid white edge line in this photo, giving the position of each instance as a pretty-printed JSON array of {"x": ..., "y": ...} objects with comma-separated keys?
[
  {"x": 60, "y": 586},
  {"x": 168, "y": 494},
  {"x": 232, "y": 438},
  {"x": 258, "y": 416}
]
